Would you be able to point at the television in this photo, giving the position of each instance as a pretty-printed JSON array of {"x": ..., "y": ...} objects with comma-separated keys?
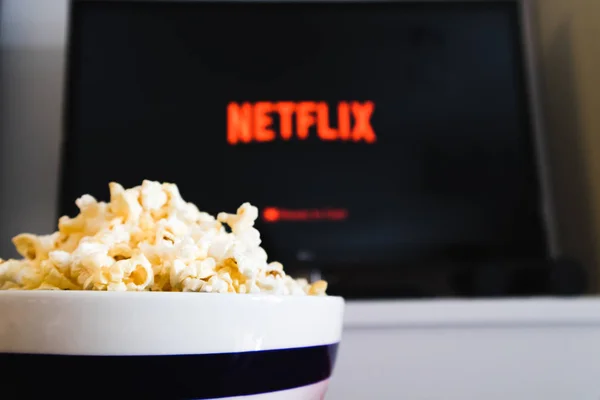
[{"x": 376, "y": 137}]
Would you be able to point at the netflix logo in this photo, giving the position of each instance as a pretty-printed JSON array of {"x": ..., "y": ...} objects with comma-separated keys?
[{"x": 253, "y": 122}]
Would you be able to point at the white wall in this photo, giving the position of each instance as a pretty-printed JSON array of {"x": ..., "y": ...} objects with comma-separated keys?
[{"x": 32, "y": 37}]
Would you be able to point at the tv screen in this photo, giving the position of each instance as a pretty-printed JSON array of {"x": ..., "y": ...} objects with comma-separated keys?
[{"x": 369, "y": 134}]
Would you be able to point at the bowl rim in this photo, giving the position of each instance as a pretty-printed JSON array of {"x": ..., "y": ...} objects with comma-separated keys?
[
  {"x": 164, "y": 323},
  {"x": 95, "y": 294}
]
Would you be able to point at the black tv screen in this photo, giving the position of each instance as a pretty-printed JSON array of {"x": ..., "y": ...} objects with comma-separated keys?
[{"x": 370, "y": 134}]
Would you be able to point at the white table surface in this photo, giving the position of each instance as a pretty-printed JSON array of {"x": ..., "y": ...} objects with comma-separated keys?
[{"x": 517, "y": 349}]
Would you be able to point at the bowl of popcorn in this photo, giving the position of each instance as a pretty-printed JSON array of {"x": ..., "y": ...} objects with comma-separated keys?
[{"x": 147, "y": 297}]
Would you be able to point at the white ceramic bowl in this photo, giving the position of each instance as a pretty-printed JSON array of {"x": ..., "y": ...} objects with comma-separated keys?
[{"x": 167, "y": 345}]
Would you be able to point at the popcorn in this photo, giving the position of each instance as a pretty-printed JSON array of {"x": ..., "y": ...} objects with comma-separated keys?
[{"x": 148, "y": 238}]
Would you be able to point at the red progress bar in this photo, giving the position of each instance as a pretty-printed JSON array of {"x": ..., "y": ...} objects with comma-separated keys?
[{"x": 276, "y": 214}]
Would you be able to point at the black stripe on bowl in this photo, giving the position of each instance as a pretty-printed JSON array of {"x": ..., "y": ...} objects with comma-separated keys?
[{"x": 206, "y": 376}]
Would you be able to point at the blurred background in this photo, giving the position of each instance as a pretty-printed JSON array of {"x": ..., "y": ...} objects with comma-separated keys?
[{"x": 452, "y": 156}]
